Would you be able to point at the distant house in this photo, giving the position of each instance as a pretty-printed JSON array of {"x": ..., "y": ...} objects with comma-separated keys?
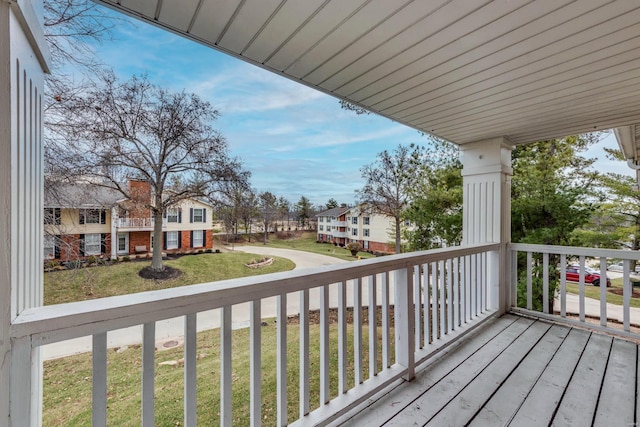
[
  {"x": 83, "y": 220},
  {"x": 341, "y": 226}
]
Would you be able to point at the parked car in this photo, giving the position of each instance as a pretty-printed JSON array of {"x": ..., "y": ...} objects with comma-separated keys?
[
  {"x": 591, "y": 275},
  {"x": 618, "y": 266}
]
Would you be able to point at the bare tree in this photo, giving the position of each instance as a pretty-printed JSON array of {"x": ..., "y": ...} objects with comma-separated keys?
[
  {"x": 118, "y": 130},
  {"x": 386, "y": 190},
  {"x": 268, "y": 208},
  {"x": 284, "y": 207}
]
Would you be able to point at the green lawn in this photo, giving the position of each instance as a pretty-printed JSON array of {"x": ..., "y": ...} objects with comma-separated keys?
[
  {"x": 67, "y": 381},
  {"x": 122, "y": 278},
  {"x": 307, "y": 242}
]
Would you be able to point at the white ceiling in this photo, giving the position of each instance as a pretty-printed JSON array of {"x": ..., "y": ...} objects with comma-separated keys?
[{"x": 464, "y": 70}]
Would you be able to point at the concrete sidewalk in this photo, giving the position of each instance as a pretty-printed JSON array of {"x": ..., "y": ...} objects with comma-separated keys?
[
  {"x": 172, "y": 330},
  {"x": 592, "y": 309}
]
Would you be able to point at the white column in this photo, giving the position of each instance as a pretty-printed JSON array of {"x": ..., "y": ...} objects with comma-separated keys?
[
  {"x": 114, "y": 233},
  {"x": 487, "y": 209},
  {"x": 23, "y": 61}
]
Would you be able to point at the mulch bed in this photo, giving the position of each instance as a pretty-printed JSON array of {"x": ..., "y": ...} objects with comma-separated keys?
[
  {"x": 314, "y": 316},
  {"x": 635, "y": 293},
  {"x": 166, "y": 274}
]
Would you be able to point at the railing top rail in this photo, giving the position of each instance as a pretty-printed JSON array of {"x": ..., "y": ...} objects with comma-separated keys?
[
  {"x": 60, "y": 322},
  {"x": 575, "y": 250}
]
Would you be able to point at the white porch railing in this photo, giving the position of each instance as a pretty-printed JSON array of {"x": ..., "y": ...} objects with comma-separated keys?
[
  {"x": 134, "y": 222},
  {"x": 335, "y": 233},
  {"x": 538, "y": 263},
  {"x": 437, "y": 296}
]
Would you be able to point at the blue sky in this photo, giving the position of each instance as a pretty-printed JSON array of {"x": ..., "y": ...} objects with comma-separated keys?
[{"x": 295, "y": 141}]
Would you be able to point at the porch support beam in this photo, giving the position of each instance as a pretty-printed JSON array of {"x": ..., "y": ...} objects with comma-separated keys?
[
  {"x": 24, "y": 59},
  {"x": 487, "y": 210}
]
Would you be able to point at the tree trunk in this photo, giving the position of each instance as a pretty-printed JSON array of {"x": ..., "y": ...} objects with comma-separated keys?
[
  {"x": 156, "y": 261},
  {"x": 397, "y": 235}
]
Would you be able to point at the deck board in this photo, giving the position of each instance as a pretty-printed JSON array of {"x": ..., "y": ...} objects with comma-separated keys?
[
  {"x": 616, "y": 405},
  {"x": 507, "y": 400},
  {"x": 428, "y": 404},
  {"x": 396, "y": 400},
  {"x": 518, "y": 371},
  {"x": 579, "y": 402}
]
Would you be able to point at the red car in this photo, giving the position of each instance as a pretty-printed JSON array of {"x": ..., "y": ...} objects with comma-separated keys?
[{"x": 591, "y": 276}]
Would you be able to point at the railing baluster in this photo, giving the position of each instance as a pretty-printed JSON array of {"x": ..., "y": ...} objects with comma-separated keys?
[
  {"x": 603, "y": 290},
  {"x": 449, "y": 291},
  {"x": 529, "y": 281},
  {"x": 148, "y": 373},
  {"x": 514, "y": 278},
  {"x": 281, "y": 360},
  {"x": 581, "y": 291},
  {"x": 22, "y": 360},
  {"x": 342, "y": 337},
  {"x": 456, "y": 293},
  {"x": 468, "y": 274},
  {"x": 357, "y": 331},
  {"x": 226, "y": 404},
  {"x": 473, "y": 274},
  {"x": 545, "y": 283},
  {"x": 99, "y": 390},
  {"x": 443, "y": 298},
  {"x": 373, "y": 327},
  {"x": 426, "y": 313},
  {"x": 255, "y": 374},
  {"x": 304, "y": 352},
  {"x": 483, "y": 277},
  {"x": 324, "y": 345},
  {"x": 418, "y": 299},
  {"x": 435, "y": 309},
  {"x": 386, "y": 327},
  {"x": 563, "y": 285},
  {"x": 190, "y": 370},
  {"x": 626, "y": 295}
]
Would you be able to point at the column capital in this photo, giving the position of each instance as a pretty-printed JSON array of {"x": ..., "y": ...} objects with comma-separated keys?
[{"x": 487, "y": 156}]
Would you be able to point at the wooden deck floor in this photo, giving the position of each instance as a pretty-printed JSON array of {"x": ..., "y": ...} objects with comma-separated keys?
[{"x": 520, "y": 372}]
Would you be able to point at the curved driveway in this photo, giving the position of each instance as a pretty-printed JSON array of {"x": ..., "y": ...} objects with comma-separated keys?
[{"x": 173, "y": 329}]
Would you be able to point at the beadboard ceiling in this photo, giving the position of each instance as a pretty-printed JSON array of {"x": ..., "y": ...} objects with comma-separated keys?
[{"x": 464, "y": 70}]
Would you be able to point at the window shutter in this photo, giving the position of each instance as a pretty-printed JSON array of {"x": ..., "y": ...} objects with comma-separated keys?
[
  {"x": 81, "y": 216},
  {"x": 56, "y": 216},
  {"x": 180, "y": 215},
  {"x": 190, "y": 214},
  {"x": 164, "y": 240},
  {"x": 103, "y": 216},
  {"x": 56, "y": 247},
  {"x": 164, "y": 213},
  {"x": 204, "y": 215},
  {"x": 179, "y": 239},
  {"x": 81, "y": 245},
  {"x": 191, "y": 237},
  {"x": 204, "y": 238},
  {"x": 103, "y": 243}
]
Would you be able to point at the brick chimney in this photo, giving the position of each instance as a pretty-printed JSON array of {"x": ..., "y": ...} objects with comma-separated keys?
[{"x": 140, "y": 192}]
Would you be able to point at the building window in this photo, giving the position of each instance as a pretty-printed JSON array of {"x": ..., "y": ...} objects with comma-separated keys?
[
  {"x": 172, "y": 239},
  {"x": 172, "y": 215},
  {"x": 321, "y": 227},
  {"x": 320, "y": 219},
  {"x": 197, "y": 241},
  {"x": 92, "y": 244},
  {"x": 354, "y": 232},
  {"x": 366, "y": 220},
  {"x": 197, "y": 215},
  {"x": 92, "y": 216},
  {"x": 320, "y": 236},
  {"x": 365, "y": 232},
  {"x": 354, "y": 220},
  {"x": 52, "y": 216},
  {"x": 49, "y": 247},
  {"x": 122, "y": 243}
]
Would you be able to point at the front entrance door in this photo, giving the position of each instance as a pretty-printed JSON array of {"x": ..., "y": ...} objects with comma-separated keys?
[{"x": 123, "y": 243}]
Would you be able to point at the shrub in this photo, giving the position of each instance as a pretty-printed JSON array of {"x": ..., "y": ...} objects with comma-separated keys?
[
  {"x": 354, "y": 248},
  {"x": 92, "y": 260},
  {"x": 208, "y": 251},
  {"x": 217, "y": 251},
  {"x": 126, "y": 258}
]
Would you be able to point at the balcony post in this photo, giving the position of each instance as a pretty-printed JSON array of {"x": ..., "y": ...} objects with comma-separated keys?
[
  {"x": 404, "y": 322},
  {"x": 487, "y": 210},
  {"x": 23, "y": 62}
]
